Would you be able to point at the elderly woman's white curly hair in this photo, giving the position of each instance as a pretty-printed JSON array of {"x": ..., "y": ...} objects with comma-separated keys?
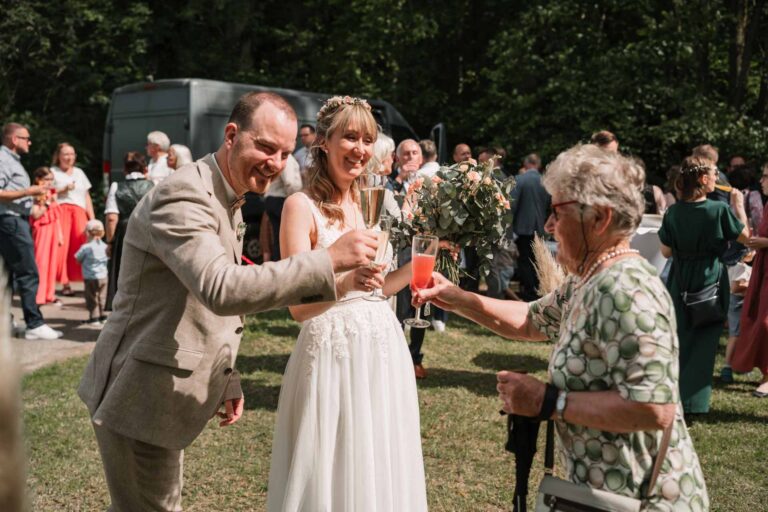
[{"x": 592, "y": 176}]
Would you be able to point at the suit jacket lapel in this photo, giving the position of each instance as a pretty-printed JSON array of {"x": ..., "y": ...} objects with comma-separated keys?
[{"x": 228, "y": 221}]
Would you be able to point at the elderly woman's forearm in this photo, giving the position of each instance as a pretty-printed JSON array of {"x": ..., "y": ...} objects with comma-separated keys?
[
  {"x": 608, "y": 411},
  {"x": 504, "y": 317}
]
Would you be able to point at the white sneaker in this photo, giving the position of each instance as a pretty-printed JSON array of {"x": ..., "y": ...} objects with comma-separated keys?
[
  {"x": 42, "y": 332},
  {"x": 439, "y": 325}
]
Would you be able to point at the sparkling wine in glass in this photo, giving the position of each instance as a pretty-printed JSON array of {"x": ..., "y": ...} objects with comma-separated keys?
[
  {"x": 385, "y": 224},
  {"x": 424, "y": 252},
  {"x": 371, "y": 201}
]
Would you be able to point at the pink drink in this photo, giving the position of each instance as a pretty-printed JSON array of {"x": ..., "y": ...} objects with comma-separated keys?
[{"x": 421, "y": 270}]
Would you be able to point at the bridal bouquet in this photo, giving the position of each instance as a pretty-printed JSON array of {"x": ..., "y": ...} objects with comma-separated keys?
[{"x": 465, "y": 205}]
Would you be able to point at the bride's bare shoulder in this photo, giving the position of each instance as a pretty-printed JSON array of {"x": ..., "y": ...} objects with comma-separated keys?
[{"x": 297, "y": 217}]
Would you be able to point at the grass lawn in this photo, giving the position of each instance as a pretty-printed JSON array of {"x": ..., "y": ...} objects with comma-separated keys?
[{"x": 462, "y": 432}]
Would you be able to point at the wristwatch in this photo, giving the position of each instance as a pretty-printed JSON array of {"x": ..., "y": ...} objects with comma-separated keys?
[{"x": 562, "y": 402}]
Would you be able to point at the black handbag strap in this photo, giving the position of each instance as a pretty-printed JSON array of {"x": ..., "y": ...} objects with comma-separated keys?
[{"x": 549, "y": 454}]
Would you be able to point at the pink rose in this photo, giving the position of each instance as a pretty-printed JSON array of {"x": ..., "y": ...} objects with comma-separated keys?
[
  {"x": 436, "y": 179},
  {"x": 487, "y": 180},
  {"x": 473, "y": 176},
  {"x": 417, "y": 183}
]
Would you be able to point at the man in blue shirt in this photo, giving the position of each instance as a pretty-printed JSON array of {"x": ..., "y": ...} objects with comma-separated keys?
[{"x": 16, "y": 246}]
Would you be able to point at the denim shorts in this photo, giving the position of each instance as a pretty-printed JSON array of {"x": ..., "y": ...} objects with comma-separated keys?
[{"x": 734, "y": 314}]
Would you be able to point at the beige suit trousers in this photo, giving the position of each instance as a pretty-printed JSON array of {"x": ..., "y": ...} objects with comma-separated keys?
[{"x": 140, "y": 476}]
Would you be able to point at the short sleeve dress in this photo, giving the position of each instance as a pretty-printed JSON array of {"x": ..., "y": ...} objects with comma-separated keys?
[
  {"x": 617, "y": 332},
  {"x": 698, "y": 233}
]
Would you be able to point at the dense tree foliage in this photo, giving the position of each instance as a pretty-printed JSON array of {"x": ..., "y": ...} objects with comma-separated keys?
[{"x": 531, "y": 75}]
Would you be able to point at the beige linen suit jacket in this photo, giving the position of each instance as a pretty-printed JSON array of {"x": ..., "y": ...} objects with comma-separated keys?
[{"x": 164, "y": 362}]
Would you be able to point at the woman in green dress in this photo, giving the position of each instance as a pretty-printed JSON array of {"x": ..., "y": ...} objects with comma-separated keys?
[
  {"x": 696, "y": 230},
  {"x": 613, "y": 370}
]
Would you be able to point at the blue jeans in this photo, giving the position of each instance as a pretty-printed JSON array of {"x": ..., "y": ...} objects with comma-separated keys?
[{"x": 18, "y": 252}]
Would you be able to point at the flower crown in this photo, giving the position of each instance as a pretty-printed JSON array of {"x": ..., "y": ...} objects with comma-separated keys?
[
  {"x": 332, "y": 104},
  {"x": 695, "y": 169}
]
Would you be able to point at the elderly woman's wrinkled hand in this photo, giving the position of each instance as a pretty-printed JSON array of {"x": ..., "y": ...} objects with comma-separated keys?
[
  {"x": 441, "y": 292},
  {"x": 520, "y": 393}
]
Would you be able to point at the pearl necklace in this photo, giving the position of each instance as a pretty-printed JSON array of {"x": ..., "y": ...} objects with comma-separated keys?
[{"x": 605, "y": 257}]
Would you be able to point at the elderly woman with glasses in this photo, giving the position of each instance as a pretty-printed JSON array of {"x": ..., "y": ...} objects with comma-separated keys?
[{"x": 613, "y": 370}]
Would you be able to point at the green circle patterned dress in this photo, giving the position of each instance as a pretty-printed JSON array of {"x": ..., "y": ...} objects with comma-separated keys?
[{"x": 617, "y": 332}]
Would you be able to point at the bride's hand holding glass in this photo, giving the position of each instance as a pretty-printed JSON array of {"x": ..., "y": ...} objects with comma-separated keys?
[{"x": 364, "y": 279}]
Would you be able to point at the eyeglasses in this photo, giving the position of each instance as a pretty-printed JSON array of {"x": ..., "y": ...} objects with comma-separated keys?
[
  {"x": 555, "y": 206},
  {"x": 23, "y": 137}
]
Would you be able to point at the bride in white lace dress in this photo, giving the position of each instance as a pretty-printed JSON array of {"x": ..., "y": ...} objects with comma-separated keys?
[{"x": 347, "y": 437}]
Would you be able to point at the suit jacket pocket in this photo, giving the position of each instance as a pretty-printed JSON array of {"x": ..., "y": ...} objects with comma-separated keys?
[{"x": 163, "y": 355}]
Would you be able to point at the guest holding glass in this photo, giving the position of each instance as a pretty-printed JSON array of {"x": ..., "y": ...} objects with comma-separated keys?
[
  {"x": 751, "y": 348},
  {"x": 73, "y": 188},
  {"x": 695, "y": 232},
  {"x": 613, "y": 369},
  {"x": 47, "y": 236}
]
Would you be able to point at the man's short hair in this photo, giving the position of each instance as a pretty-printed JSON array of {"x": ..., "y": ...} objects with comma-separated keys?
[
  {"x": 9, "y": 129},
  {"x": 603, "y": 138},
  {"x": 428, "y": 149},
  {"x": 533, "y": 159},
  {"x": 160, "y": 139},
  {"x": 249, "y": 103},
  {"x": 311, "y": 128},
  {"x": 707, "y": 151},
  {"x": 399, "y": 150}
]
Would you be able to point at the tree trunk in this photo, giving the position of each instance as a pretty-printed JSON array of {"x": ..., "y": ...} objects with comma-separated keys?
[{"x": 747, "y": 16}]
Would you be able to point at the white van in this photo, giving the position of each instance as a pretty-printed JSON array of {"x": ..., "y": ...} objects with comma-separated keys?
[{"x": 194, "y": 111}]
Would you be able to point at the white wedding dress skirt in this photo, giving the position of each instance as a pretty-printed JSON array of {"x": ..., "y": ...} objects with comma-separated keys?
[{"x": 347, "y": 437}]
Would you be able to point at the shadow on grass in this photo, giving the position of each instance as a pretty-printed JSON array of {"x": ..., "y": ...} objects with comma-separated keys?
[
  {"x": 479, "y": 383},
  {"x": 274, "y": 363},
  {"x": 259, "y": 395},
  {"x": 274, "y": 323},
  {"x": 516, "y": 362},
  {"x": 471, "y": 327},
  {"x": 727, "y": 417}
]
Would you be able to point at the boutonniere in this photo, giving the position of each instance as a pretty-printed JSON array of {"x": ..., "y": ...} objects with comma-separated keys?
[{"x": 241, "y": 231}]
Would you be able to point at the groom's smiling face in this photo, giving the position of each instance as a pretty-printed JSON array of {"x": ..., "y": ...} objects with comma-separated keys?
[{"x": 258, "y": 153}]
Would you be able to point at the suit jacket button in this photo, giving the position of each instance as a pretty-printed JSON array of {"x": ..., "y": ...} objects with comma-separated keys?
[
  {"x": 227, "y": 371},
  {"x": 238, "y": 330}
]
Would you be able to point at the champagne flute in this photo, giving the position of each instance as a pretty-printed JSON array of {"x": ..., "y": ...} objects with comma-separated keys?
[
  {"x": 371, "y": 199},
  {"x": 385, "y": 224},
  {"x": 424, "y": 250}
]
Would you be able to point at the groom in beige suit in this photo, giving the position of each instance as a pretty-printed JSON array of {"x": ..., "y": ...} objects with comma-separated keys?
[{"x": 164, "y": 363}]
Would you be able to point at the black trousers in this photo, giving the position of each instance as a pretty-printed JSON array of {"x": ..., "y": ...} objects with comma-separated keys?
[
  {"x": 273, "y": 206},
  {"x": 18, "y": 252},
  {"x": 529, "y": 281}
]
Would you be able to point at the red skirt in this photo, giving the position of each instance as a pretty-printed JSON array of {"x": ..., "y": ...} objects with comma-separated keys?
[
  {"x": 73, "y": 221},
  {"x": 45, "y": 234}
]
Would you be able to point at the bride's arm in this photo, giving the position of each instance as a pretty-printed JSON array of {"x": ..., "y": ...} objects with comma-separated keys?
[
  {"x": 297, "y": 230},
  {"x": 298, "y": 234},
  {"x": 397, "y": 280}
]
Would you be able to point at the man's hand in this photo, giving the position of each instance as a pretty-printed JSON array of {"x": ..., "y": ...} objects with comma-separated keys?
[
  {"x": 35, "y": 190},
  {"x": 520, "y": 393},
  {"x": 354, "y": 249},
  {"x": 441, "y": 292},
  {"x": 233, "y": 409}
]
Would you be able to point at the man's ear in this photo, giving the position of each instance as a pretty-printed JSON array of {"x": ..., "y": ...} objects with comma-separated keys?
[{"x": 230, "y": 132}]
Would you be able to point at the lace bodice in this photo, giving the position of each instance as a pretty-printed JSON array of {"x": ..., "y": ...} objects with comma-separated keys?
[{"x": 327, "y": 235}]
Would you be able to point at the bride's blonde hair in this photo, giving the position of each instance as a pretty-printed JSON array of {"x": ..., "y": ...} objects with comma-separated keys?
[{"x": 337, "y": 114}]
